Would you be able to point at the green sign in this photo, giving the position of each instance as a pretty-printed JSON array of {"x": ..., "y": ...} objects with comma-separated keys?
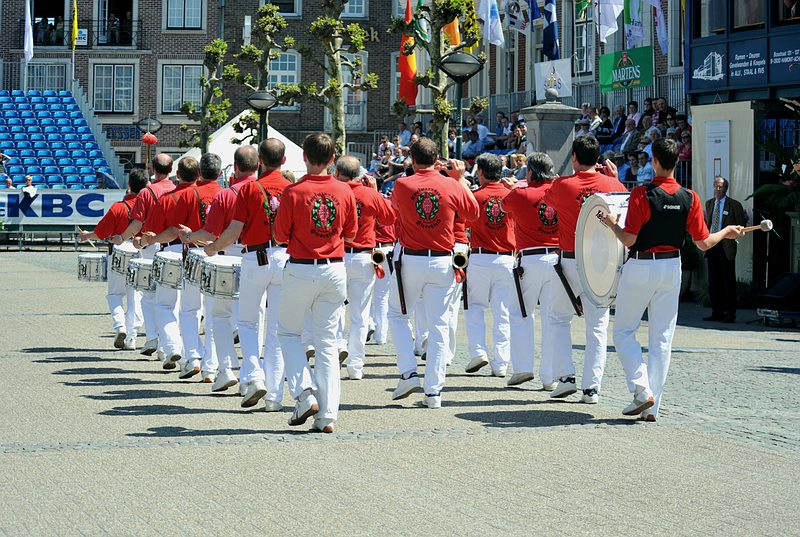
[{"x": 626, "y": 70}]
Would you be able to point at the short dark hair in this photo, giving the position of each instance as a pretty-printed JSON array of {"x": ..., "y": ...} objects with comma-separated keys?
[
  {"x": 586, "y": 150},
  {"x": 246, "y": 159},
  {"x": 137, "y": 180},
  {"x": 210, "y": 166},
  {"x": 318, "y": 148},
  {"x": 607, "y": 109},
  {"x": 271, "y": 152},
  {"x": 724, "y": 182},
  {"x": 634, "y": 103},
  {"x": 188, "y": 169},
  {"x": 666, "y": 151},
  {"x": 424, "y": 152},
  {"x": 490, "y": 165},
  {"x": 162, "y": 163},
  {"x": 349, "y": 166},
  {"x": 541, "y": 167},
  {"x": 679, "y": 117}
]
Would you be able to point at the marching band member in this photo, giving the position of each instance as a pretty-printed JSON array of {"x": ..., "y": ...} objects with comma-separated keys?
[
  {"x": 371, "y": 207},
  {"x": 316, "y": 217},
  {"x": 146, "y": 199},
  {"x": 426, "y": 207},
  {"x": 566, "y": 196},
  {"x": 156, "y": 231},
  {"x": 659, "y": 215},
  {"x": 490, "y": 267},
  {"x": 263, "y": 260},
  {"x": 536, "y": 240},
  {"x": 115, "y": 221}
]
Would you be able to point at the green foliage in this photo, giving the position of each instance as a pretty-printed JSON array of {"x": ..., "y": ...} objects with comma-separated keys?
[
  {"x": 442, "y": 109},
  {"x": 247, "y": 126},
  {"x": 400, "y": 108},
  {"x": 478, "y": 105}
]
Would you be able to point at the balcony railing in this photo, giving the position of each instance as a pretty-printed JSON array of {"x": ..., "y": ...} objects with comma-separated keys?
[{"x": 99, "y": 33}]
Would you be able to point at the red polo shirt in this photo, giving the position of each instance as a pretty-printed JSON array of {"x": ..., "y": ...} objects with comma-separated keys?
[
  {"x": 116, "y": 220},
  {"x": 535, "y": 223},
  {"x": 494, "y": 228},
  {"x": 221, "y": 213},
  {"x": 257, "y": 206},
  {"x": 371, "y": 208},
  {"x": 193, "y": 205},
  {"x": 147, "y": 198},
  {"x": 568, "y": 194},
  {"x": 639, "y": 212},
  {"x": 384, "y": 234},
  {"x": 460, "y": 230},
  {"x": 316, "y": 215},
  {"x": 161, "y": 211},
  {"x": 426, "y": 204}
]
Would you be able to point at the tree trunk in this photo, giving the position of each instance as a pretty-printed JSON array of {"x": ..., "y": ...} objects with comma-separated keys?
[
  {"x": 336, "y": 102},
  {"x": 441, "y": 124}
]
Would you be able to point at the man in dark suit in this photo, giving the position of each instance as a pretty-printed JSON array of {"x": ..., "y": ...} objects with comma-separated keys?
[
  {"x": 722, "y": 211},
  {"x": 629, "y": 140}
]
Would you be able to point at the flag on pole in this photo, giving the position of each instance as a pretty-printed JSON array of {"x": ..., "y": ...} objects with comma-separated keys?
[
  {"x": 407, "y": 65},
  {"x": 580, "y": 9},
  {"x": 74, "y": 24},
  {"x": 661, "y": 26},
  {"x": 451, "y": 30},
  {"x": 516, "y": 16},
  {"x": 471, "y": 24},
  {"x": 28, "y": 48},
  {"x": 534, "y": 11},
  {"x": 550, "y": 31},
  {"x": 608, "y": 11},
  {"x": 421, "y": 26},
  {"x": 634, "y": 27},
  {"x": 492, "y": 28}
]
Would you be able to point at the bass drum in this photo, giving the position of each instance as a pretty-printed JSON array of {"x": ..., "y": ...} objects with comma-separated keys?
[{"x": 598, "y": 254}]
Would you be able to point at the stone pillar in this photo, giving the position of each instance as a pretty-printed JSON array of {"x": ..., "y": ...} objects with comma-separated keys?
[{"x": 551, "y": 127}]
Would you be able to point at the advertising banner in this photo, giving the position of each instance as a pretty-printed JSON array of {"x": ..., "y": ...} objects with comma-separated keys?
[
  {"x": 626, "y": 70},
  {"x": 49, "y": 207},
  {"x": 557, "y": 75}
]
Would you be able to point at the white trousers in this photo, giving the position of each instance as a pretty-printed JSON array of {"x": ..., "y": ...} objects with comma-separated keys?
[
  {"x": 653, "y": 285},
  {"x": 149, "y": 299},
  {"x": 220, "y": 311},
  {"x": 210, "y": 360},
  {"x": 380, "y": 300},
  {"x": 429, "y": 280},
  {"x": 490, "y": 283},
  {"x": 167, "y": 306},
  {"x": 320, "y": 290},
  {"x": 594, "y": 361},
  {"x": 360, "y": 281},
  {"x": 535, "y": 284},
  {"x": 126, "y": 318},
  {"x": 191, "y": 310}
]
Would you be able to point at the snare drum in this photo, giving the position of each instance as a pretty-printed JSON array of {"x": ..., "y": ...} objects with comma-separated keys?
[
  {"x": 140, "y": 275},
  {"x": 220, "y": 276},
  {"x": 93, "y": 267},
  {"x": 598, "y": 254},
  {"x": 168, "y": 269},
  {"x": 121, "y": 256},
  {"x": 193, "y": 266}
]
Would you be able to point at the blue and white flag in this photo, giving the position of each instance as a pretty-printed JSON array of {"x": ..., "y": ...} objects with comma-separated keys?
[
  {"x": 550, "y": 31},
  {"x": 534, "y": 11},
  {"x": 492, "y": 27}
]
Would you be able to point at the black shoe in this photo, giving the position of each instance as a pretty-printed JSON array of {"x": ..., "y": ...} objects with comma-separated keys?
[{"x": 712, "y": 318}]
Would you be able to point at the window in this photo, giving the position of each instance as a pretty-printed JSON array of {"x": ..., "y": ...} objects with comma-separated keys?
[
  {"x": 113, "y": 88},
  {"x": 355, "y": 9},
  {"x": 394, "y": 83},
  {"x": 748, "y": 14},
  {"x": 676, "y": 32},
  {"x": 47, "y": 76},
  {"x": 712, "y": 17},
  {"x": 355, "y": 101},
  {"x": 285, "y": 69},
  {"x": 180, "y": 84},
  {"x": 184, "y": 14},
  {"x": 789, "y": 11},
  {"x": 584, "y": 43},
  {"x": 399, "y": 8},
  {"x": 286, "y": 7}
]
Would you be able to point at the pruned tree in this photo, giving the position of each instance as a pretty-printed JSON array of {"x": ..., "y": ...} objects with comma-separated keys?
[
  {"x": 340, "y": 62},
  {"x": 438, "y": 15},
  {"x": 213, "y": 110}
]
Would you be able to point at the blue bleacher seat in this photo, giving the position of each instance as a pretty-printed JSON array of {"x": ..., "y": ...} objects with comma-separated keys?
[
  {"x": 58, "y": 186},
  {"x": 24, "y": 153},
  {"x": 87, "y": 138},
  {"x": 85, "y": 170},
  {"x": 95, "y": 153},
  {"x": 68, "y": 100},
  {"x": 23, "y": 144},
  {"x": 72, "y": 179},
  {"x": 3, "y": 128},
  {"x": 37, "y": 93},
  {"x": 4, "y": 93},
  {"x": 65, "y": 161},
  {"x": 30, "y": 161},
  {"x": 53, "y": 180},
  {"x": 15, "y": 170},
  {"x": 43, "y": 114},
  {"x": 5, "y": 145},
  {"x": 20, "y": 100},
  {"x": 41, "y": 145},
  {"x": 60, "y": 115},
  {"x": 70, "y": 137},
  {"x": 35, "y": 129},
  {"x": 44, "y": 153},
  {"x": 53, "y": 137},
  {"x": 41, "y": 107},
  {"x": 57, "y": 145},
  {"x": 51, "y": 170},
  {"x": 28, "y": 118},
  {"x": 4, "y": 136},
  {"x": 53, "y": 100},
  {"x": 10, "y": 151},
  {"x": 8, "y": 107},
  {"x": 37, "y": 179},
  {"x": 65, "y": 122},
  {"x": 69, "y": 170},
  {"x": 18, "y": 178},
  {"x": 13, "y": 161},
  {"x": 65, "y": 93},
  {"x": 76, "y": 187},
  {"x": 67, "y": 129},
  {"x": 73, "y": 108},
  {"x": 48, "y": 123},
  {"x": 83, "y": 130},
  {"x": 36, "y": 137},
  {"x": 30, "y": 170},
  {"x": 105, "y": 169},
  {"x": 91, "y": 146},
  {"x": 17, "y": 93},
  {"x": 75, "y": 146},
  {"x": 24, "y": 107},
  {"x": 62, "y": 153},
  {"x": 99, "y": 162},
  {"x": 89, "y": 179},
  {"x": 51, "y": 129},
  {"x": 12, "y": 117},
  {"x": 91, "y": 187},
  {"x": 83, "y": 162},
  {"x": 19, "y": 132},
  {"x": 34, "y": 100},
  {"x": 78, "y": 119},
  {"x": 78, "y": 153},
  {"x": 47, "y": 161}
]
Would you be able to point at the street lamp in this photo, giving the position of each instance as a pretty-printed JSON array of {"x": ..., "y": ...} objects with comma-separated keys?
[
  {"x": 460, "y": 66},
  {"x": 262, "y": 102},
  {"x": 148, "y": 126}
]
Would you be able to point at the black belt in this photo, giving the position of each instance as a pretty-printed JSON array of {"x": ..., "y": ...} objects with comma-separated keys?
[
  {"x": 326, "y": 261},
  {"x": 485, "y": 251},
  {"x": 384, "y": 245},
  {"x": 261, "y": 247},
  {"x": 539, "y": 251},
  {"x": 567, "y": 255},
  {"x": 357, "y": 250},
  {"x": 428, "y": 253},
  {"x": 655, "y": 255}
]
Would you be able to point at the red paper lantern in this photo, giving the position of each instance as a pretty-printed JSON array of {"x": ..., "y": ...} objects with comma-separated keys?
[{"x": 149, "y": 138}]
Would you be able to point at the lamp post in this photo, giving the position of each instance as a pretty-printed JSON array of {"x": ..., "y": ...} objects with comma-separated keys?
[
  {"x": 149, "y": 126},
  {"x": 460, "y": 66},
  {"x": 262, "y": 102}
]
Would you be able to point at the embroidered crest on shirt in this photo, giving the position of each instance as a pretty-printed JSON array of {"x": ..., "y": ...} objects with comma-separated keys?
[
  {"x": 323, "y": 212},
  {"x": 547, "y": 215},
  {"x": 494, "y": 212},
  {"x": 271, "y": 206},
  {"x": 427, "y": 205}
]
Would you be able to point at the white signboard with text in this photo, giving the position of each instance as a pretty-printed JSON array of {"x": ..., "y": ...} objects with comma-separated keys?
[
  {"x": 556, "y": 74},
  {"x": 718, "y": 151},
  {"x": 49, "y": 207}
]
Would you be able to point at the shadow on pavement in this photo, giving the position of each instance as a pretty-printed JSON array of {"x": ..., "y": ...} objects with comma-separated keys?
[
  {"x": 183, "y": 432},
  {"x": 776, "y": 369},
  {"x": 46, "y": 350},
  {"x": 118, "y": 381},
  {"x": 538, "y": 418},
  {"x": 86, "y": 359},
  {"x": 162, "y": 410},
  {"x": 105, "y": 371},
  {"x": 122, "y": 395}
]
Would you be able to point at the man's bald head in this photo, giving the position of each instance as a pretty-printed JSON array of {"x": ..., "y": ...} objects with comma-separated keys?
[
  {"x": 246, "y": 159},
  {"x": 271, "y": 152},
  {"x": 162, "y": 164},
  {"x": 348, "y": 168}
]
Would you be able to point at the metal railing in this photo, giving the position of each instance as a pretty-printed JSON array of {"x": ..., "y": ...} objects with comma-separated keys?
[
  {"x": 362, "y": 151},
  {"x": 99, "y": 33}
]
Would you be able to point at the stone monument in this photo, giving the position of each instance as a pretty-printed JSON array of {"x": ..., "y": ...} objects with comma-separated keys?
[{"x": 551, "y": 128}]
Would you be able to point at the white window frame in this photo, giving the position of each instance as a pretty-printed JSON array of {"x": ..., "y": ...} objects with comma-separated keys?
[
  {"x": 363, "y": 14},
  {"x": 298, "y": 9},
  {"x": 394, "y": 81},
  {"x": 114, "y": 90},
  {"x": 584, "y": 67},
  {"x": 674, "y": 46},
  {"x": 183, "y": 30},
  {"x": 116, "y": 117},
  {"x": 49, "y": 63},
  {"x": 297, "y": 74},
  {"x": 184, "y": 26},
  {"x": 346, "y": 92},
  {"x": 173, "y": 117}
]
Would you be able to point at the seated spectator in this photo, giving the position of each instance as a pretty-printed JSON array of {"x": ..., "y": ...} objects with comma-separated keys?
[
  {"x": 404, "y": 135},
  {"x": 498, "y": 128},
  {"x": 584, "y": 131},
  {"x": 521, "y": 171},
  {"x": 629, "y": 140},
  {"x": 622, "y": 166},
  {"x": 483, "y": 131},
  {"x": 374, "y": 163},
  {"x": 605, "y": 130},
  {"x": 400, "y": 161},
  {"x": 473, "y": 146},
  {"x": 662, "y": 110},
  {"x": 633, "y": 168},
  {"x": 515, "y": 138},
  {"x": 585, "y": 110},
  {"x": 671, "y": 123},
  {"x": 618, "y": 121},
  {"x": 451, "y": 141},
  {"x": 647, "y": 113},
  {"x": 414, "y": 139},
  {"x": 9, "y": 183},
  {"x": 29, "y": 191},
  {"x": 646, "y": 124},
  {"x": 646, "y": 171},
  {"x": 671, "y": 135},
  {"x": 429, "y": 134},
  {"x": 685, "y": 147},
  {"x": 654, "y": 135},
  {"x": 683, "y": 125},
  {"x": 506, "y": 171},
  {"x": 522, "y": 147},
  {"x": 385, "y": 167},
  {"x": 384, "y": 145},
  {"x": 594, "y": 120},
  {"x": 633, "y": 112},
  {"x": 516, "y": 119}
]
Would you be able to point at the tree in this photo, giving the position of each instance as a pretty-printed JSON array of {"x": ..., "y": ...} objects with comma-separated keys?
[
  {"x": 213, "y": 110},
  {"x": 438, "y": 15},
  {"x": 340, "y": 62}
]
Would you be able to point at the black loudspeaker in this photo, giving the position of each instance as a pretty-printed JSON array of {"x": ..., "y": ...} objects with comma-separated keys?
[{"x": 783, "y": 294}]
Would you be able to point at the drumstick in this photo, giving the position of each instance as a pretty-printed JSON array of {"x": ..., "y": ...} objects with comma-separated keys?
[
  {"x": 765, "y": 225},
  {"x": 87, "y": 240}
]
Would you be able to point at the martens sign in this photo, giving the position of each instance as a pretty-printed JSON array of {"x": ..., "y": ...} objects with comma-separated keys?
[{"x": 626, "y": 70}]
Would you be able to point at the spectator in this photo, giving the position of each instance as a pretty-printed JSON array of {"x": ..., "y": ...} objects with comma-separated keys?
[
  {"x": 646, "y": 171},
  {"x": 604, "y": 132},
  {"x": 685, "y": 147},
  {"x": 473, "y": 147},
  {"x": 374, "y": 163},
  {"x": 430, "y": 129},
  {"x": 585, "y": 110},
  {"x": 584, "y": 131},
  {"x": 622, "y": 166},
  {"x": 516, "y": 119},
  {"x": 502, "y": 134},
  {"x": 404, "y": 134},
  {"x": 594, "y": 120},
  {"x": 671, "y": 122},
  {"x": 522, "y": 147},
  {"x": 483, "y": 130},
  {"x": 647, "y": 112},
  {"x": 287, "y": 174},
  {"x": 498, "y": 128},
  {"x": 521, "y": 172},
  {"x": 630, "y": 138},
  {"x": 29, "y": 191},
  {"x": 9, "y": 183},
  {"x": 646, "y": 124},
  {"x": 633, "y": 112},
  {"x": 506, "y": 171},
  {"x": 3, "y": 159},
  {"x": 414, "y": 138},
  {"x": 683, "y": 125},
  {"x": 57, "y": 37},
  {"x": 513, "y": 140},
  {"x": 654, "y": 135},
  {"x": 400, "y": 161},
  {"x": 384, "y": 145},
  {"x": 618, "y": 121},
  {"x": 633, "y": 168},
  {"x": 127, "y": 28},
  {"x": 384, "y": 167},
  {"x": 114, "y": 27},
  {"x": 451, "y": 141},
  {"x": 671, "y": 135},
  {"x": 662, "y": 110}
]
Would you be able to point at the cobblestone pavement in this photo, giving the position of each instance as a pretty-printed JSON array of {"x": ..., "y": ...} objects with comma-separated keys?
[{"x": 98, "y": 441}]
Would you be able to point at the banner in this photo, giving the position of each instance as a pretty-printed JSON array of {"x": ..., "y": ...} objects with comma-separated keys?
[
  {"x": 517, "y": 16},
  {"x": 556, "y": 74},
  {"x": 48, "y": 207},
  {"x": 626, "y": 70},
  {"x": 634, "y": 27}
]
